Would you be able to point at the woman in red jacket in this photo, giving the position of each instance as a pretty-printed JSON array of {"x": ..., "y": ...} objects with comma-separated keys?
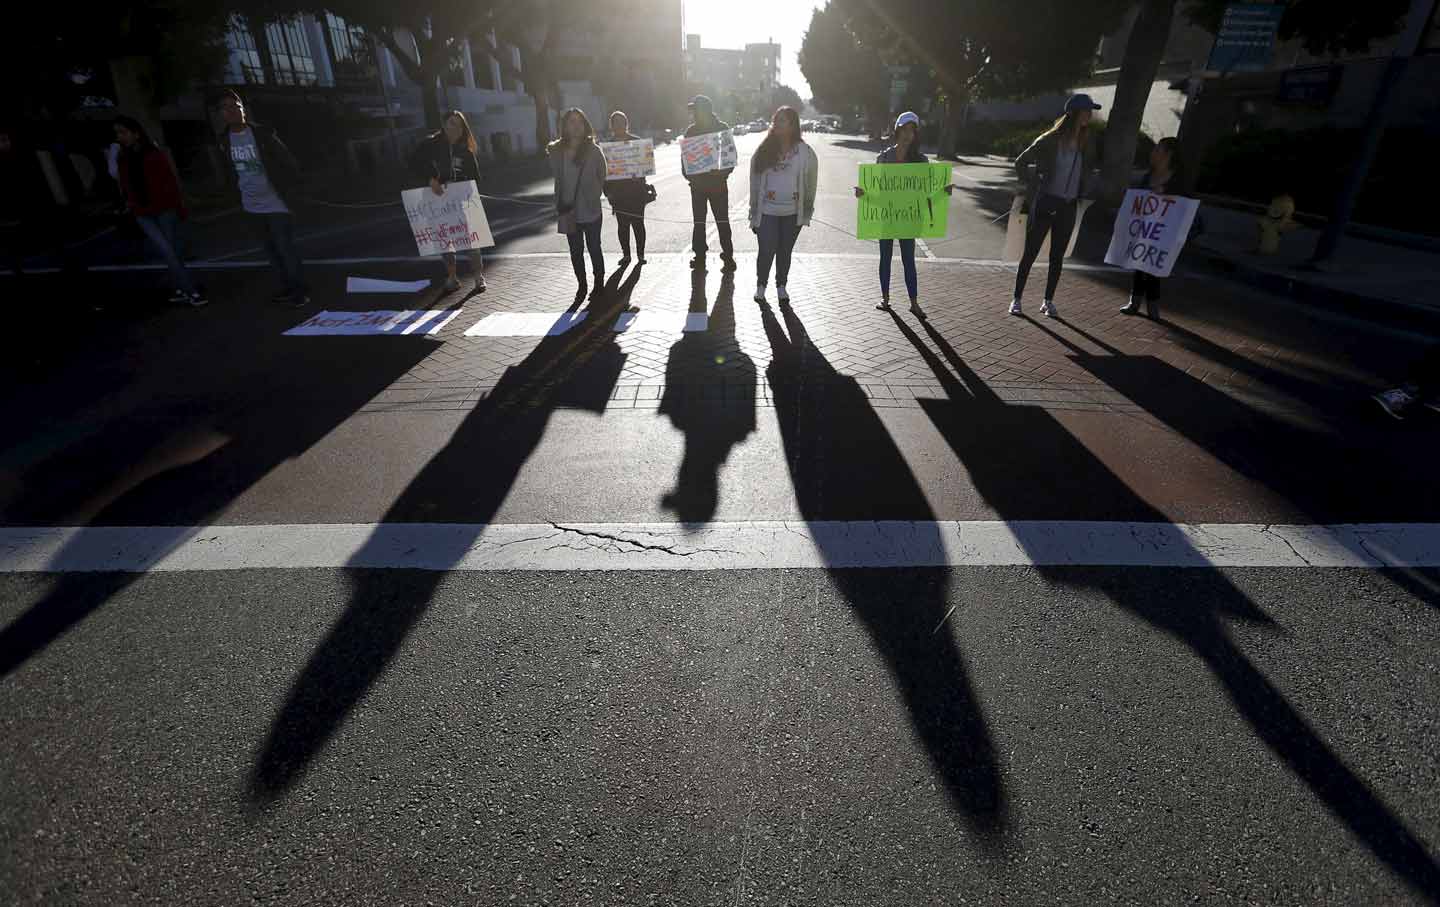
[{"x": 152, "y": 193}]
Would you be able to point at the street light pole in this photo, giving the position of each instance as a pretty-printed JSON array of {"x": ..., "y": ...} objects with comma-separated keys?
[{"x": 1416, "y": 23}]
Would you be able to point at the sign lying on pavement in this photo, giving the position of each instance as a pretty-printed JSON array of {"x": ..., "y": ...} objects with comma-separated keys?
[
  {"x": 902, "y": 201},
  {"x": 374, "y": 285},
  {"x": 711, "y": 151},
  {"x": 451, "y": 222},
  {"x": 525, "y": 324},
  {"x": 1150, "y": 231},
  {"x": 628, "y": 160},
  {"x": 389, "y": 323}
]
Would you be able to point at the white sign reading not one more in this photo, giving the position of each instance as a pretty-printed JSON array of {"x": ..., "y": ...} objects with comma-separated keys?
[
  {"x": 628, "y": 160},
  {"x": 711, "y": 151},
  {"x": 1150, "y": 230},
  {"x": 453, "y": 221}
]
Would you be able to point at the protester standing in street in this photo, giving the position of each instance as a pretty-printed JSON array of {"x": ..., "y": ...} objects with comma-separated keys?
[
  {"x": 711, "y": 188},
  {"x": 579, "y": 169},
  {"x": 152, "y": 193},
  {"x": 783, "y": 176},
  {"x": 1054, "y": 168},
  {"x": 447, "y": 157},
  {"x": 1163, "y": 177},
  {"x": 265, "y": 176},
  {"x": 628, "y": 197},
  {"x": 906, "y": 150}
]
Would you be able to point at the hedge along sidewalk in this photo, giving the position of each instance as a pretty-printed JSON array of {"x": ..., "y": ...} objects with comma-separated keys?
[{"x": 1379, "y": 281}]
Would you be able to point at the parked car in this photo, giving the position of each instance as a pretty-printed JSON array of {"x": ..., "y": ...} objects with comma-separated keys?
[
  {"x": 740, "y": 129},
  {"x": 664, "y": 136}
]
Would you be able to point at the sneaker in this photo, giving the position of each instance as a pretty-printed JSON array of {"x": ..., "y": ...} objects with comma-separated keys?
[
  {"x": 641, "y": 260},
  {"x": 1132, "y": 307},
  {"x": 451, "y": 284},
  {"x": 728, "y": 263},
  {"x": 179, "y": 296},
  {"x": 197, "y": 300},
  {"x": 916, "y": 310},
  {"x": 698, "y": 263},
  {"x": 1433, "y": 403},
  {"x": 760, "y": 293},
  {"x": 480, "y": 286},
  {"x": 780, "y": 293},
  {"x": 1015, "y": 306},
  {"x": 624, "y": 260},
  {"x": 1047, "y": 308},
  {"x": 300, "y": 300},
  {"x": 1398, "y": 402}
]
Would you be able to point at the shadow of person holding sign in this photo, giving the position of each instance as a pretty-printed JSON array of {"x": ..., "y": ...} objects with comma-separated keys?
[{"x": 464, "y": 484}]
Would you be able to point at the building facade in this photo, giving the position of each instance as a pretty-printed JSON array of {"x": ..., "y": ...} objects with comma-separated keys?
[{"x": 716, "y": 71}]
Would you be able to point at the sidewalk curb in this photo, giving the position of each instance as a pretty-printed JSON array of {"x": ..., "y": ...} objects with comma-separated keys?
[{"x": 1357, "y": 305}]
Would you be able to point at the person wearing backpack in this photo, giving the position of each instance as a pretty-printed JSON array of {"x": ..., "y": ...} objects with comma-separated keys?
[
  {"x": 578, "y": 165},
  {"x": 447, "y": 157},
  {"x": 152, "y": 193}
]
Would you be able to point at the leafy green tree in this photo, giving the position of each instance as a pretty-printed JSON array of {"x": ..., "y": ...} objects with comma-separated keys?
[{"x": 847, "y": 77}]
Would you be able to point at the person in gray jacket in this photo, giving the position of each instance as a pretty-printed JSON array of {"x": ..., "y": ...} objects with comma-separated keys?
[
  {"x": 783, "y": 176},
  {"x": 579, "y": 168},
  {"x": 1054, "y": 169}
]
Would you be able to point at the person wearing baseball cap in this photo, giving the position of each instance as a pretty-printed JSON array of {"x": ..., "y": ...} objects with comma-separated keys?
[
  {"x": 711, "y": 188},
  {"x": 906, "y": 150},
  {"x": 1054, "y": 169}
]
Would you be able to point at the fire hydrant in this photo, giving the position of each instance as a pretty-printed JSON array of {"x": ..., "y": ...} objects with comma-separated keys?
[{"x": 1277, "y": 220}]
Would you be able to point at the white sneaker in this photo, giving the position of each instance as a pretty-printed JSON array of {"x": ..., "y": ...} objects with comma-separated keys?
[
  {"x": 780, "y": 293},
  {"x": 1398, "y": 402},
  {"x": 1047, "y": 308},
  {"x": 884, "y": 304},
  {"x": 1015, "y": 306}
]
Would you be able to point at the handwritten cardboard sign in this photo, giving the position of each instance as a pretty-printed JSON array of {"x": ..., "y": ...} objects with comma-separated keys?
[
  {"x": 902, "y": 201},
  {"x": 452, "y": 222},
  {"x": 711, "y": 151},
  {"x": 628, "y": 160},
  {"x": 409, "y": 323},
  {"x": 1150, "y": 231}
]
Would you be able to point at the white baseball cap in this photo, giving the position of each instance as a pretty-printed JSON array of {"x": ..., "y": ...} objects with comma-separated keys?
[{"x": 908, "y": 116}]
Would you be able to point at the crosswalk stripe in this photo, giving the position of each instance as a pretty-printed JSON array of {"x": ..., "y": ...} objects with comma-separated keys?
[{"x": 714, "y": 546}]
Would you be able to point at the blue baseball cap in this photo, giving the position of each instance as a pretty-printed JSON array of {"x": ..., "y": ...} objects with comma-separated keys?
[{"x": 1080, "y": 102}]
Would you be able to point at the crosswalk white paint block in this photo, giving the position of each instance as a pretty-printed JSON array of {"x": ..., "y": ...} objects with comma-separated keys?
[
  {"x": 646, "y": 322},
  {"x": 525, "y": 324},
  {"x": 715, "y": 546}
]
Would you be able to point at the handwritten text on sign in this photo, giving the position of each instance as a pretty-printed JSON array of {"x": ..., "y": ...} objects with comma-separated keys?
[
  {"x": 1150, "y": 231},
  {"x": 628, "y": 160},
  {"x": 452, "y": 222},
  {"x": 711, "y": 151},
  {"x": 902, "y": 201}
]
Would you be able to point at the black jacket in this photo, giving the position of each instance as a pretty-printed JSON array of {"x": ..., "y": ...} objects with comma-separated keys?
[
  {"x": 628, "y": 196},
  {"x": 436, "y": 158},
  {"x": 713, "y": 179},
  {"x": 281, "y": 168}
]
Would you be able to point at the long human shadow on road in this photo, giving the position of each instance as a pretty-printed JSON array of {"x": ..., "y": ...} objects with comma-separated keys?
[
  {"x": 464, "y": 483},
  {"x": 978, "y": 426},
  {"x": 176, "y": 462},
  {"x": 844, "y": 465},
  {"x": 700, "y": 362}
]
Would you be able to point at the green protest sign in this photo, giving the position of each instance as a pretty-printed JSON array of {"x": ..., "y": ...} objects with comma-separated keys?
[{"x": 902, "y": 201}]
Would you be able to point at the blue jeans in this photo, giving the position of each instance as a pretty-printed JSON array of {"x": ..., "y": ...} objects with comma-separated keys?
[
  {"x": 777, "y": 241},
  {"x": 907, "y": 259},
  {"x": 164, "y": 232},
  {"x": 587, "y": 235},
  {"x": 277, "y": 232}
]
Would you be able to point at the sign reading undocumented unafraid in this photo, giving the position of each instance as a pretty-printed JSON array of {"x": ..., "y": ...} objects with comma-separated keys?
[
  {"x": 902, "y": 201},
  {"x": 451, "y": 222}
]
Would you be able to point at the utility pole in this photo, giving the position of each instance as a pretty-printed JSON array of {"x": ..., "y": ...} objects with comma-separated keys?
[{"x": 1417, "y": 23}]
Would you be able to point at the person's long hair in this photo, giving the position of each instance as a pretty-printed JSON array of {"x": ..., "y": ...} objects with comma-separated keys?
[
  {"x": 1068, "y": 126},
  {"x": 469, "y": 137},
  {"x": 135, "y": 157},
  {"x": 586, "y": 140},
  {"x": 913, "y": 154},
  {"x": 1177, "y": 167},
  {"x": 768, "y": 154}
]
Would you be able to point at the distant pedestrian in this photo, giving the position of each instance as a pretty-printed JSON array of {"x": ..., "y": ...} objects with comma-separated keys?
[
  {"x": 628, "y": 197},
  {"x": 710, "y": 188},
  {"x": 448, "y": 157},
  {"x": 579, "y": 169},
  {"x": 265, "y": 177},
  {"x": 1054, "y": 168},
  {"x": 906, "y": 150},
  {"x": 783, "y": 176},
  {"x": 1164, "y": 177},
  {"x": 152, "y": 193},
  {"x": 1420, "y": 388}
]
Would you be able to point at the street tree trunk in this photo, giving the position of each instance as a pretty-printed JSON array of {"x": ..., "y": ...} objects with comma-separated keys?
[{"x": 1143, "y": 52}]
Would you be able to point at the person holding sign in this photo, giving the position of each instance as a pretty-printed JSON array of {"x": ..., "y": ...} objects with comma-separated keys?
[
  {"x": 579, "y": 169},
  {"x": 712, "y": 188},
  {"x": 1054, "y": 168},
  {"x": 906, "y": 150},
  {"x": 628, "y": 197},
  {"x": 783, "y": 176},
  {"x": 1163, "y": 173},
  {"x": 447, "y": 157}
]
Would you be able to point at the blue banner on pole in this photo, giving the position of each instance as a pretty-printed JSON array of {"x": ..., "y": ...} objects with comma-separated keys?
[{"x": 1246, "y": 39}]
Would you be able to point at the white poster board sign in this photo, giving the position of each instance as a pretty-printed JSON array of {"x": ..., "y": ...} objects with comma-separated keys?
[
  {"x": 711, "y": 151},
  {"x": 387, "y": 323},
  {"x": 1020, "y": 223},
  {"x": 628, "y": 160},
  {"x": 451, "y": 222},
  {"x": 1150, "y": 230}
]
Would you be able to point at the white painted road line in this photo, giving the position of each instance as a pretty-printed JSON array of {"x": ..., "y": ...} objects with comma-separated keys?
[{"x": 716, "y": 546}]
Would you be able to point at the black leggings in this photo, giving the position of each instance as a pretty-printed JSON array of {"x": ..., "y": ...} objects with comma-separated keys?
[
  {"x": 624, "y": 224},
  {"x": 1147, "y": 287},
  {"x": 1056, "y": 216}
]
